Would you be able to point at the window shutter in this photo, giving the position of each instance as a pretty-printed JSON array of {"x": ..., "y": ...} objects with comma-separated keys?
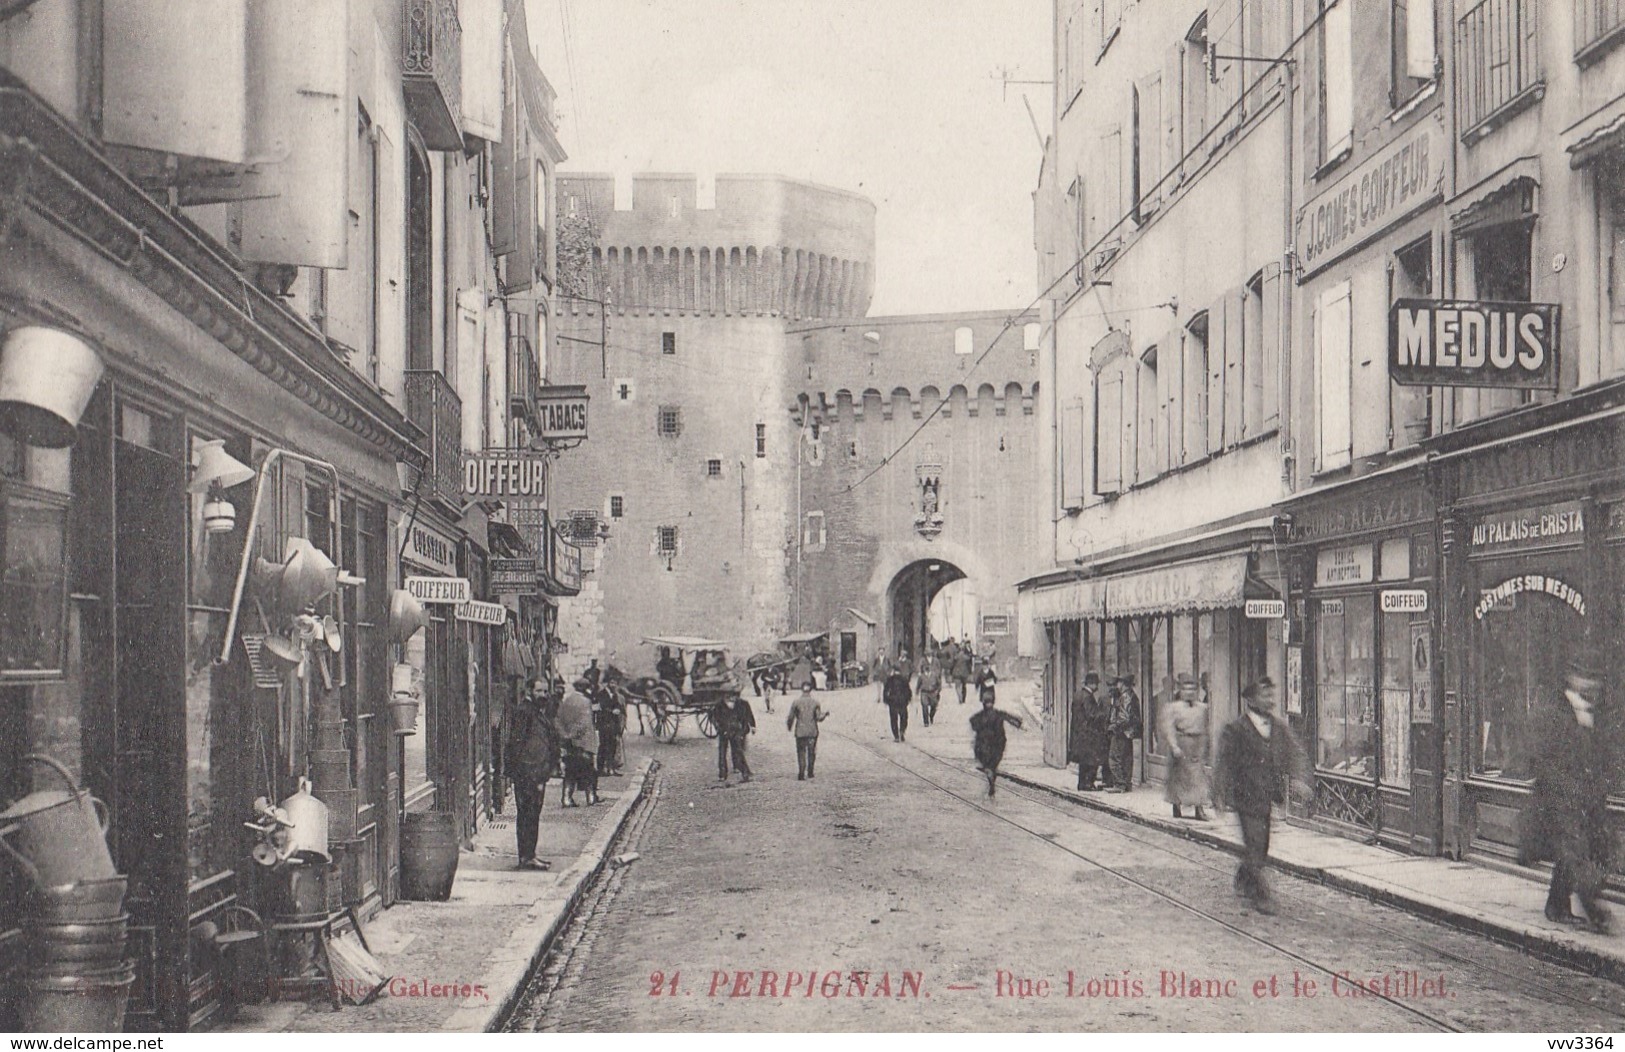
[
  {"x": 1173, "y": 91},
  {"x": 1109, "y": 433},
  {"x": 1332, "y": 378},
  {"x": 1128, "y": 368},
  {"x": 175, "y": 76},
  {"x": 1072, "y": 447},
  {"x": 503, "y": 202},
  {"x": 1167, "y": 353},
  {"x": 1235, "y": 378},
  {"x": 1312, "y": 72},
  {"x": 1270, "y": 352},
  {"x": 1252, "y": 364},
  {"x": 1224, "y": 87},
  {"x": 300, "y": 118},
  {"x": 521, "y": 272},
  {"x": 1216, "y": 373},
  {"x": 1171, "y": 377},
  {"x": 1419, "y": 44},
  {"x": 1339, "y": 78},
  {"x": 1192, "y": 393},
  {"x": 482, "y": 66},
  {"x": 1149, "y": 136}
]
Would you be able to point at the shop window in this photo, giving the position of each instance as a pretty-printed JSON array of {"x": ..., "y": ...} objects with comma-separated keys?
[
  {"x": 1345, "y": 687},
  {"x": 1523, "y": 643},
  {"x": 1411, "y": 56},
  {"x": 33, "y": 587},
  {"x": 1411, "y": 407},
  {"x": 1398, "y": 668}
]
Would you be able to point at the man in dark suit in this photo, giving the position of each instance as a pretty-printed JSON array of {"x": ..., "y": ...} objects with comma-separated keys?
[
  {"x": 1257, "y": 758},
  {"x": 1086, "y": 737}
]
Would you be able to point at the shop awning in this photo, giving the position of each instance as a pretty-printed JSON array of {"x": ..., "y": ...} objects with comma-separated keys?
[
  {"x": 1204, "y": 584},
  {"x": 1074, "y": 600}
]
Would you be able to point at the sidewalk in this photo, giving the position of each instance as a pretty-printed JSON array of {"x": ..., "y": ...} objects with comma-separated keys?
[
  {"x": 1499, "y": 905},
  {"x": 459, "y": 966}
]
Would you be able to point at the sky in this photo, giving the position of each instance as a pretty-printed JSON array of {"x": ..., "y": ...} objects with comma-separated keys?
[{"x": 899, "y": 100}]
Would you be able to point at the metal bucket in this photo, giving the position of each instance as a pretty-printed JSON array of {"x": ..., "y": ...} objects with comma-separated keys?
[
  {"x": 85, "y": 1004},
  {"x": 59, "y": 837},
  {"x": 81, "y": 903},
  {"x": 429, "y": 846},
  {"x": 46, "y": 379}
]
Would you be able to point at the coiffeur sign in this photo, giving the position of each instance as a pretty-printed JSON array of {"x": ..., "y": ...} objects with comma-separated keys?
[
  {"x": 1395, "y": 182},
  {"x": 505, "y": 476},
  {"x": 1468, "y": 343}
]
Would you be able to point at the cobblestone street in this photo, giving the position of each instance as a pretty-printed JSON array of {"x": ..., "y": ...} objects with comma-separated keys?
[{"x": 890, "y": 894}]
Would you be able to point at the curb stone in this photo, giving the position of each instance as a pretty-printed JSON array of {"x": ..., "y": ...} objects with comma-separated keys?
[
  {"x": 1552, "y": 946},
  {"x": 510, "y": 967}
]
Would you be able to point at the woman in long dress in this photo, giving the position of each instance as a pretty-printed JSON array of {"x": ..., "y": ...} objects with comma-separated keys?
[{"x": 1185, "y": 732}]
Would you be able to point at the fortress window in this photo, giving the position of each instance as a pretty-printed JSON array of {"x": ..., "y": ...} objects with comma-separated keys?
[
  {"x": 670, "y": 422},
  {"x": 761, "y": 440},
  {"x": 812, "y": 534},
  {"x": 668, "y": 343},
  {"x": 1029, "y": 336},
  {"x": 713, "y": 468},
  {"x": 666, "y": 540},
  {"x": 962, "y": 340},
  {"x": 617, "y": 506}
]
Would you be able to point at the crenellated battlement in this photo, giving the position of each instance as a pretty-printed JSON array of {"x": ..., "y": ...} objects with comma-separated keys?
[
  {"x": 871, "y": 404},
  {"x": 766, "y": 246}
]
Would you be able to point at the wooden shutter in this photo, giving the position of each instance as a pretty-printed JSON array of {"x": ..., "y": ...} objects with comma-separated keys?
[
  {"x": 1332, "y": 377},
  {"x": 522, "y": 266},
  {"x": 1148, "y": 134},
  {"x": 1270, "y": 351},
  {"x": 1420, "y": 53},
  {"x": 1224, "y": 83},
  {"x": 1252, "y": 362},
  {"x": 1339, "y": 77},
  {"x": 1235, "y": 378},
  {"x": 1128, "y": 368},
  {"x": 1173, "y": 93},
  {"x": 1170, "y": 375},
  {"x": 483, "y": 47},
  {"x": 300, "y": 120},
  {"x": 175, "y": 76},
  {"x": 1109, "y": 432},
  {"x": 1216, "y": 372},
  {"x": 1193, "y": 389},
  {"x": 1072, "y": 449},
  {"x": 503, "y": 175}
]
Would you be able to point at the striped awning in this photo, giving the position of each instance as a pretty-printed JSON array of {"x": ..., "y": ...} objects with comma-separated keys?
[
  {"x": 1203, "y": 584},
  {"x": 1072, "y": 601}
]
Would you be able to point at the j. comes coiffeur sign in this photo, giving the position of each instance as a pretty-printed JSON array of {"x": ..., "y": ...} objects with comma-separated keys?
[{"x": 1472, "y": 343}]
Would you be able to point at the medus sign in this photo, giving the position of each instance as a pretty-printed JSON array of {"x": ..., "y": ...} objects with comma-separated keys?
[{"x": 1469, "y": 343}]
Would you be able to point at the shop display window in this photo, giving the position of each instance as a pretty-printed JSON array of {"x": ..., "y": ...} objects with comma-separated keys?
[
  {"x": 33, "y": 582},
  {"x": 1524, "y": 643},
  {"x": 1345, "y": 687}
]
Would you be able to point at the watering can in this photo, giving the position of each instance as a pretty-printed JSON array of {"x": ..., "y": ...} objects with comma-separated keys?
[
  {"x": 307, "y": 821},
  {"x": 58, "y": 836}
]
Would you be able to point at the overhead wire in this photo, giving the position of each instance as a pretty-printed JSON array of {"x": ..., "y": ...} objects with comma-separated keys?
[{"x": 1112, "y": 231}]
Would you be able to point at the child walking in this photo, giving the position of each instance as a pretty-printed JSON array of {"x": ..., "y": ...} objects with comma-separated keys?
[{"x": 988, "y": 726}]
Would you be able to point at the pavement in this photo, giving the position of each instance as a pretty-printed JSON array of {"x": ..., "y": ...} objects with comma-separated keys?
[
  {"x": 459, "y": 966},
  {"x": 1498, "y": 904}
]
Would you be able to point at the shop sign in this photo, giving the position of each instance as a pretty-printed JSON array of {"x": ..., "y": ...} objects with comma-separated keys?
[
  {"x": 563, "y": 412},
  {"x": 1404, "y": 601},
  {"x": 1496, "y": 604},
  {"x": 454, "y": 590},
  {"x": 1529, "y": 582},
  {"x": 431, "y": 549},
  {"x": 1375, "y": 511},
  {"x": 482, "y": 613},
  {"x": 1265, "y": 609},
  {"x": 505, "y": 476},
  {"x": 1392, "y": 184},
  {"x": 1421, "y": 673},
  {"x": 1294, "y": 681},
  {"x": 1569, "y": 455},
  {"x": 1561, "y": 525},
  {"x": 514, "y": 575},
  {"x": 1331, "y": 608},
  {"x": 1340, "y": 566},
  {"x": 1473, "y": 343}
]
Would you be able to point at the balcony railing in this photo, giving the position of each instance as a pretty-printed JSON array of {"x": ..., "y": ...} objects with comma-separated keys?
[
  {"x": 433, "y": 405},
  {"x": 1598, "y": 24},
  {"x": 432, "y": 71},
  {"x": 523, "y": 379},
  {"x": 1498, "y": 63}
]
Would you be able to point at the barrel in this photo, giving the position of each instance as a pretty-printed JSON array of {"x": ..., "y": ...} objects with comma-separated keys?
[{"x": 429, "y": 845}]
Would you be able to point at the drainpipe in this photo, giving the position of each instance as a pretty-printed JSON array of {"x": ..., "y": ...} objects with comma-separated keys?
[{"x": 1289, "y": 265}]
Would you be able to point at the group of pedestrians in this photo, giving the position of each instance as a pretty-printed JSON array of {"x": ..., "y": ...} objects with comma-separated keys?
[
  {"x": 900, "y": 684},
  {"x": 575, "y": 735},
  {"x": 1103, "y": 732}
]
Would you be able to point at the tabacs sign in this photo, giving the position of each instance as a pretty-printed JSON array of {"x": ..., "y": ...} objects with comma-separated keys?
[
  {"x": 1474, "y": 343},
  {"x": 563, "y": 412}
]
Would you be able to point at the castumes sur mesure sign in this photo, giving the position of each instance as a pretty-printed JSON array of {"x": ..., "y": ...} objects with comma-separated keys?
[{"x": 1474, "y": 343}]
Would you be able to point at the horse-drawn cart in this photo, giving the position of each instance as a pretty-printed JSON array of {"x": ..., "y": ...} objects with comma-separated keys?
[{"x": 679, "y": 690}]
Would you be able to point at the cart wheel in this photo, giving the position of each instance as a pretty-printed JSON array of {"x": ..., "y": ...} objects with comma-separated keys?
[
  {"x": 665, "y": 724},
  {"x": 708, "y": 726}
]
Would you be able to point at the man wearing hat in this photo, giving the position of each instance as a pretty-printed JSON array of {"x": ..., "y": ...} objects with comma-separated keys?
[
  {"x": 530, "y": 759},
  {"x": 734, "y": 719},
  {"x": 1184, "y": 729},
  {"x": 1258, "y": 756},
  {"x": 1086, "y": 737},
  {"x": 1123, "y": 730}
]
